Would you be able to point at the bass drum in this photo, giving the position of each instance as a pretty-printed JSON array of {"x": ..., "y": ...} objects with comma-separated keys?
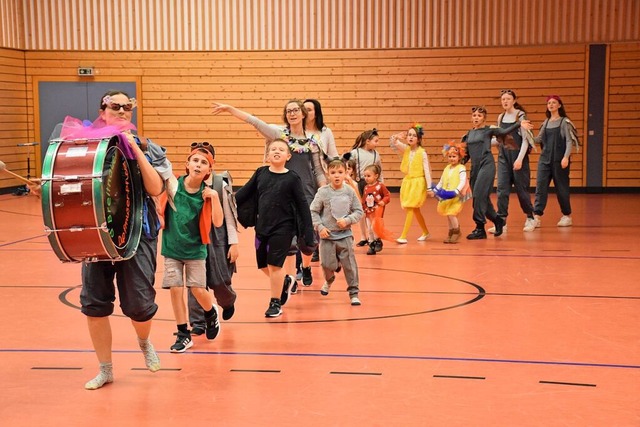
[{"x": 92, "y": 199}]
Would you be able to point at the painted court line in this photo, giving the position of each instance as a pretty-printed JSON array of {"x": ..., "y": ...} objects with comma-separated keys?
[
  {"x": 351, "y": 356},
  {"x": 461, "y": 377}
]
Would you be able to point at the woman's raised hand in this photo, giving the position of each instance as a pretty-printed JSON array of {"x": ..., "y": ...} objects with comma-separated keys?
[{"x": 217, "y": 108}]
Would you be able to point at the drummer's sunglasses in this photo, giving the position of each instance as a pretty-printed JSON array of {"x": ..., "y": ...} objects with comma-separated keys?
[{"x": 116, "y": 107}]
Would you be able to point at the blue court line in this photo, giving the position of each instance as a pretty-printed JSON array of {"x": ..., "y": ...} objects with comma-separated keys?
[{"x": 353, "y": 356}]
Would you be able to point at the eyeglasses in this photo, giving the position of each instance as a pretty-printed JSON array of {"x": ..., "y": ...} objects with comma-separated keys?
[
  {"x": 293, "y": 111},
  {"x": 205, "y": 145},
  {"x": 116, "y": 107},
  {"x": 374, "y": 132},
  {"x": 479, "y": 109},
  {"x": 509, "y": 91}
]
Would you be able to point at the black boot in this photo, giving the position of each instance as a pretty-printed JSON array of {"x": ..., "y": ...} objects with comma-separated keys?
[
  {"x": 478, "y": 233},
  {"x": 372, "y": 248},
  {"x": 499, "y": 224}
]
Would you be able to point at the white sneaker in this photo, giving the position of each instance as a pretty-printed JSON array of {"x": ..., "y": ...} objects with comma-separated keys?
[
  {"x": 565, "y": 221},
  {"x": 537, "y": 220},
  {"x": 325, "y": 288},
  {"x": 492, "y": 230},
  {"x": 402, "y": 241},
  {"x": 529, "y": 225},
  {"x": 424, "y": 237},
  {"x": 355, "y": 300}
]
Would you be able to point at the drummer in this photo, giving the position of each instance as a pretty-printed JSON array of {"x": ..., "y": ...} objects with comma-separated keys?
[{"x": 134, "y": 277}]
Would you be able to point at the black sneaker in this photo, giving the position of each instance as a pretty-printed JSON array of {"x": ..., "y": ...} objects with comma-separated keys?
[
  {"x": 275, "y": 309},
  {"x": 183, "y": 342},
  {"x": 197, "y": 329},
  {"x": 227, "y": 312},
  {"x": 286, "y": 289},
  {"x": 294, "y": 287},
  {"x": 212, "y": 324},
  {"x": 377, "y": 245},
  {"x": 307, "y": 279},
  {"x": 477, "y": 234},
  {"x": 372, "y": 249},
  {"x": 362, "y": 243}
]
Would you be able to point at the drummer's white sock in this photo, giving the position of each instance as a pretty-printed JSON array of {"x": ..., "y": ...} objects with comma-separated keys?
[
  {"x": 151, "y": 358},
  {"x": 105, "y": 376}
]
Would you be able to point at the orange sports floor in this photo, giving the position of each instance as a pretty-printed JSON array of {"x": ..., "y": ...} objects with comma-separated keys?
[{"x": 529, "y": 329}]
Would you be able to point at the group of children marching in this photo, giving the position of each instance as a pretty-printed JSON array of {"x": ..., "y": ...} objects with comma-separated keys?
[{"x": 305, "y": 199}]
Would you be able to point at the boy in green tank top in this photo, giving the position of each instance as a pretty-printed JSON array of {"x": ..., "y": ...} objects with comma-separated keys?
[{"x": 184, "y": 241}]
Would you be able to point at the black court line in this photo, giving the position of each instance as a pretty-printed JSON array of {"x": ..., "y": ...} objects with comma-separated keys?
[
  {"x": 161, "y": 369},
  {"x": 22, "y": 240},
  {"x": 354, "y": 373},
  {"x": 55, "y": 368},
  {"x": 459, "y": 377},
  {"x": 260, "y": 371},
  {"x": 563, "y": 383},
  {"x": 20, "y": 213}
]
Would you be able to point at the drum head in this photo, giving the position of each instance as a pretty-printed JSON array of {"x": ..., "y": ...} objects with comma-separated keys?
[{"x": 122, "y": 201}]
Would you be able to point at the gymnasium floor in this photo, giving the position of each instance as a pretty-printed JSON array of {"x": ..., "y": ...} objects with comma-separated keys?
[{"x": 529, "y": 329}]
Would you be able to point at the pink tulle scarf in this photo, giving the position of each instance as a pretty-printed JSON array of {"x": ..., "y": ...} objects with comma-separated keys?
[{"x": 73, "y": 128}]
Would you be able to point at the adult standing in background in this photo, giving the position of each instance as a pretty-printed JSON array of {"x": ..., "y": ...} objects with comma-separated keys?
[
  {"x": 315, "y": 123},
  {"x": 556, "y": 142}
]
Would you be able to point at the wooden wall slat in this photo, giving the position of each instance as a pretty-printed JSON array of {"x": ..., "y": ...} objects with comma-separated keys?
[{"x": 14, "y": 120}]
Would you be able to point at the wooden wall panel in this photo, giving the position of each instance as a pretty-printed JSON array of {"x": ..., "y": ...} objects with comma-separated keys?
[
  {"x": 14, "y": 122},
  {"x": 622, "y": 152},
  {"x": 231, "y": 25},
  {"x": 386, "y": 89}
]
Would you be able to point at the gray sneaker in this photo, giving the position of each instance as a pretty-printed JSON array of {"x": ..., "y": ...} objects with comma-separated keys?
[{"x": 565, "y": 221}]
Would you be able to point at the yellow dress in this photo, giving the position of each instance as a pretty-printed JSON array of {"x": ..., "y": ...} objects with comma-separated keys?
[
  {"x": 413, "y": 190},
  {"x": 450, "y": 181}
]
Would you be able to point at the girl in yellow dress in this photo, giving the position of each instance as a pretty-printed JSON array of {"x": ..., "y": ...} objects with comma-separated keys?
[
  {"x": 417, "y": 180},
  {"x": 453, "y": 189}
]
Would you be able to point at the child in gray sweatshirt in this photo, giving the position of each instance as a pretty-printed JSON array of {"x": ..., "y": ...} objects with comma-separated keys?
[{"x": 335, "y": 207}]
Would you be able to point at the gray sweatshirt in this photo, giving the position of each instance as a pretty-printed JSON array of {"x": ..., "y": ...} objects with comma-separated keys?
[{"x": 331, "y": 204}]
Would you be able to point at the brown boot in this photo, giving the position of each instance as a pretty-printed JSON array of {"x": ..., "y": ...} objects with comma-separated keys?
[
  {"x": 455, "y": 235},
  {"x": 448, "y": 239}
]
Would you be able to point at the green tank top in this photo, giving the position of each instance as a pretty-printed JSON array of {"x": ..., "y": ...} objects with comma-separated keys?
[{"x": 181, "y": 234}]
